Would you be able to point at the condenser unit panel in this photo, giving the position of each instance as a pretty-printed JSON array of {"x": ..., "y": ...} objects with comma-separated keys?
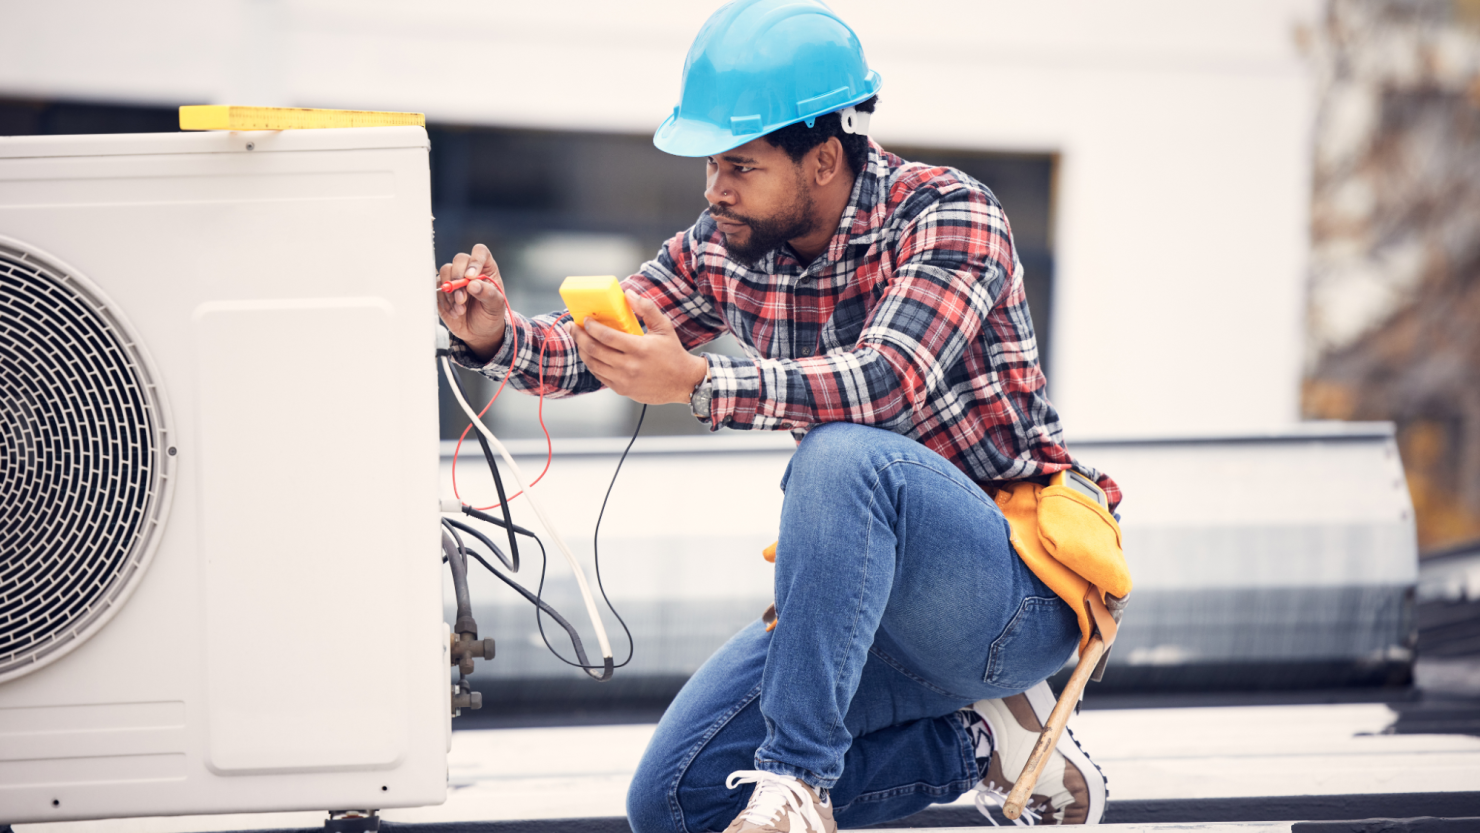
[{"x": 221, "y": 585}]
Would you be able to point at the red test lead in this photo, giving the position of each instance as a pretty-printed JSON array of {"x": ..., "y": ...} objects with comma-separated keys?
[{"x": 549, "y": 445}]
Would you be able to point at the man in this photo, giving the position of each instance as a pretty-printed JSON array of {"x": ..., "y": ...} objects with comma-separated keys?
[{"x": 882, "y": 309}]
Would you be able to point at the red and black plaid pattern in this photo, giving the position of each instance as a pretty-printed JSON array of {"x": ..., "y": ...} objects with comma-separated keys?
[{"x": 914, "y": 320}]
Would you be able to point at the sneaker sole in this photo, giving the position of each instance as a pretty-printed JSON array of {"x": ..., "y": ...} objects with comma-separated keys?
[{"x": 1041, "y": 700}]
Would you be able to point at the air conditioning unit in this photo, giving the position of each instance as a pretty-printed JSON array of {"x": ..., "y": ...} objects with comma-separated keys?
[{"x": 221, "y": 578}]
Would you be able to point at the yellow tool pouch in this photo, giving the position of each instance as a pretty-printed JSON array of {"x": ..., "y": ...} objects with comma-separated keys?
[{"x": 1073, "y": 545}]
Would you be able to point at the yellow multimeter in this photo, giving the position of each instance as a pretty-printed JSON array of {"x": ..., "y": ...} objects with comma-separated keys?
[{"x": 599, "y": 297}]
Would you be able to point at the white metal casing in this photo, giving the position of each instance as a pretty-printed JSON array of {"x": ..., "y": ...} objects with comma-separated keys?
[{"x": 284, "y": 648}]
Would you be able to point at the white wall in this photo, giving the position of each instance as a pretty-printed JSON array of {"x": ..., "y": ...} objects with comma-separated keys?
[{"x": 1183, "y": 128}]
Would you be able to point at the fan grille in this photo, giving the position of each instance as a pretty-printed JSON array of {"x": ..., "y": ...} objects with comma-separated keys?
[{"x": 82, "y": 473}]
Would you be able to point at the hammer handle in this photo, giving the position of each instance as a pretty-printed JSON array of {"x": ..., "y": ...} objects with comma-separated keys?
[{"x": 1057, "y": 720}]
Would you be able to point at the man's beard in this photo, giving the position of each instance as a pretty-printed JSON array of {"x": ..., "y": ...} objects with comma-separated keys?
[{"x": 766, "y": 235}]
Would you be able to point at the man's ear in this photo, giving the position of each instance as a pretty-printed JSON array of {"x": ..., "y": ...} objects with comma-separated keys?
[{"x": 827, "y": 162}]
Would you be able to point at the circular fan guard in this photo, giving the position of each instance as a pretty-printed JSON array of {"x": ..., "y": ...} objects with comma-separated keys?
[{"x": 83, "y": 465}]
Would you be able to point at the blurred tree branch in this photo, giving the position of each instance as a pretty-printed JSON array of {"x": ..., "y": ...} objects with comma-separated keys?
[{"x": 1394, "y": 304}]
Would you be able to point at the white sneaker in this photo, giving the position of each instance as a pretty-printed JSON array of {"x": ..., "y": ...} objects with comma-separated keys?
[
  {"x": 780, "y": 804},
  {"x": 1071, "y": 789}
]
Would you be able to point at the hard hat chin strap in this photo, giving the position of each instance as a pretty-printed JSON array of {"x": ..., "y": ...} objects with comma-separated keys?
[{"x": 854, "y": 120}]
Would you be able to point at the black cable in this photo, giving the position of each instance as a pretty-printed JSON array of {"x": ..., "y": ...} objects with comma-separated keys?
[
  {"x": 498, "y": 485},
  {"x": 608, "y": 666},
  {"x": 540, "y": 604},
  {"x": 464, "y": 551},
  {"x": 492, "y": 547},
  {"x": 489, "y": 519},
  {"x": 596, "y": 538},
  {"x": 503, "y": 500}
]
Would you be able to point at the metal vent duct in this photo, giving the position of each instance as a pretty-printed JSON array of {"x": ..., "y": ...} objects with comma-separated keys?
[{"x": 83, "y": 463}]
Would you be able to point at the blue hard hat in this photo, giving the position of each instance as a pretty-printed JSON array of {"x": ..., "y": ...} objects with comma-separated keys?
[{"x": 759, "y": 65}]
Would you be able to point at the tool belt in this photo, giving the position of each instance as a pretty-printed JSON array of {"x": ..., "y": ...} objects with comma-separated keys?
[{"x": 1073, "y": 545}]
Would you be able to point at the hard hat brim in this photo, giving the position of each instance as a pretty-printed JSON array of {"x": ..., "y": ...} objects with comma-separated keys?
[{"x": 693, "y": 137}]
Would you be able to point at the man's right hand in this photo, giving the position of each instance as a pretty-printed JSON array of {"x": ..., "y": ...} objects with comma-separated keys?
[{"x": 474, "y": 313}]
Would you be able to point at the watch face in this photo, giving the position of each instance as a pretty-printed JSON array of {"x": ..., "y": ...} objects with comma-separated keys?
[{"x": 699, "y": 399}]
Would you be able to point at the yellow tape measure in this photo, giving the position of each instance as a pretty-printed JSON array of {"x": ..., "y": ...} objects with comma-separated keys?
[{"x": 221, "y": 117}]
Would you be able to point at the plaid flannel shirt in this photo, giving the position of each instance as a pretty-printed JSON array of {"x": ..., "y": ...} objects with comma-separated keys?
[{"x": 914, "y": 320}]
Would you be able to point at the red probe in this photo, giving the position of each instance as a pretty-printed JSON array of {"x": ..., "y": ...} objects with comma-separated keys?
[{"x": 453, "y": 286}]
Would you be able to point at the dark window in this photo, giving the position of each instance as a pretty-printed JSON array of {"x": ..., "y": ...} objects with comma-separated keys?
[{"x": 48, "y": 118}]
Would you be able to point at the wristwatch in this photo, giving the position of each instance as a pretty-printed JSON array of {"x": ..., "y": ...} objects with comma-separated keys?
[{"x": 699, "y": 400}]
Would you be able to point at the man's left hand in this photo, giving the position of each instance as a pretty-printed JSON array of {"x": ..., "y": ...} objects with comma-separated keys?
[{"x": 653, "y": 369}]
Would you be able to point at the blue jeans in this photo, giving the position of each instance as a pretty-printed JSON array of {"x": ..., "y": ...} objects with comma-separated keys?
[{"x": 901, "y": 601}]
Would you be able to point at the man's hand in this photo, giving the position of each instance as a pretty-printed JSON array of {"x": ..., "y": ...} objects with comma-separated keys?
[
  {"x": 653, "y": 369},
  {"x": 474, "y": 313}
]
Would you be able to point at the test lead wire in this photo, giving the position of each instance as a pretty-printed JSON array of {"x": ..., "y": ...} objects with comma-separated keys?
[{"x": 591, "y": 610}]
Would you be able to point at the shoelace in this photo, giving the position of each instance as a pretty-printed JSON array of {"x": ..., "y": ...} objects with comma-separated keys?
[
  {"x": 989, "y": 795},
  {"x": 774, "y": 795}
]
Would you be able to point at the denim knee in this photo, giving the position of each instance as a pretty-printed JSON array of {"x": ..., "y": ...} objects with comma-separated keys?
[{"x": 835, "y": 449}]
